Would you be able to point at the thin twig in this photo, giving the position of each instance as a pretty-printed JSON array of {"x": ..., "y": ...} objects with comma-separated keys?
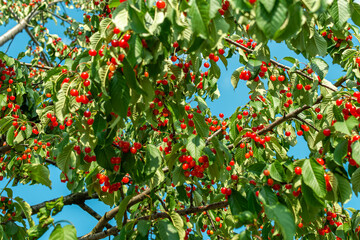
[
  {"x": 279, "y": 64},
  {"x": 307, "y": 123},
  {"x": 7, "y": 49}
]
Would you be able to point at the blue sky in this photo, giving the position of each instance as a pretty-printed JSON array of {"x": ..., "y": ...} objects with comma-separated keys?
[{"x": 229, "y": 100}]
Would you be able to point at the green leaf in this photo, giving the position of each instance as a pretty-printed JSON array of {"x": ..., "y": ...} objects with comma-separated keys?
[
  {"x": 26, "y": 209},
  {"x": 277, "y": 171},
  {"x": 355, "y": 13},
  {"x": 195, "y": 145},
  {"x": 270, "y": 22},
  {"x": 199, "y": 15},
  {"x": 153, "y": 160},
  {"x": 143, "y": 227},
  {"x": 201, "y": 127},
  {"x": 344, "y": 189},
  {"x": 313, "y": 176},
  {"x": 235, "y": 77},
  {"x": 283, "y": 218},
  {"x": 341, "y": 151},
  {"x": 268, "y": 4},
  {"x": 122, "y": 209},
  {"x": 60, "y": 104},
  {"x": 134, "y": 54},
  {"x": 38, "y": 173},
  {"x": 340, "y": 12},
  {"x": 237, "y": 202},
  {"x": 267, "y": 196},
  {"x": 167, "y": 231},
  {"x": 121, "y": 16},
  {"x": 96, "y": 41},
  {"x": 120, "y": 94},
  {"x": 104, "y": 155},
  {"x": 316, "y": 45},
  {"x": 347, "y": 126},
  {"x": 178, "y": 223},
  {"x": 63, "y": 161},
  {"x": 355, "y": 181},
  {"x": 310, "y": 197},
  {"x": 320, "y": 67},
  {"x": 63, "y": 233},
  {"x": 201, "y": 103},
  {"x": 10, "y": 136},
  {"x": 5, "y": 123},
  {"x": 348, "y": 53}
]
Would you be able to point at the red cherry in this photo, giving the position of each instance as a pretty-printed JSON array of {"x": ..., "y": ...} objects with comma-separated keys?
[
  {"x": 298, "y": 170},
  {"x": 90, "y": 121},
  {"x": 339, "y": 102},
  {"x": 281, "y": 78},
  {"x": 300, "y": 225},
  {"x": 86, "y": 83},
  {"x": 160, "y": 4},
  {"x": 299, "y": 86},
  {"x": 116, "y": 31},
  {"x": 127, "y": 37},
  {"x": 133, "y": 150},
  {"x": 87, "y": 114},
  {"x": 252, "y": 1},
  {"x": 92, "y": 52},
  {"x": 320, "y": 161},
  {"x": 125, "y": 180},
  {"x": 327, "y": 132},
  {"x": 87, "y": 149},
  {"x": 74, "y": 92},
  {"x": 84, "y": 75},
  {"x": 266, "y": 172}
]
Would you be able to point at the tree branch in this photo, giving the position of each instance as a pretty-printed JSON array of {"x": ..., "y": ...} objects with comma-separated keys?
[
  {"x": 278, "y": 64},
  {"x": 182, "y": 212},
  {"x": 111, "y": 214},
  {"x": 22, "y": 24},
  {"x": 307, "y": 123},
  {"x": 70, "y": 199}
]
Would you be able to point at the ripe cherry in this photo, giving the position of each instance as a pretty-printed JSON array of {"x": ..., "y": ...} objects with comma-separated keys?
[
  {"x": 92, "y": 52},
  {"x": 327, "y": 132},
  {"x": 266, "y": 172},
  {"x": 300, "y": 225},
  {"x": 281, "y": 78},
  {"x": 320, "y": 161},
  {"x": 116, "y": 30},
  {"x": 84, "y": 75},
  {"x": 160, "y": 4},
  {"x": 74, "y": 92},
  {"x": 298, "y": 170},
  {"x": 86, "y": 83},
  {"x": 133, "y": 150}
]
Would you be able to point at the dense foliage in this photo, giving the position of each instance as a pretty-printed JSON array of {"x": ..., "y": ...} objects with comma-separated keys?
[{"x": 122, "y": 112}]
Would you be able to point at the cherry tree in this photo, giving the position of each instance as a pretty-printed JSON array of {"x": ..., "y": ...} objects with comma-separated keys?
[{"x": 122, "y": 111}]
